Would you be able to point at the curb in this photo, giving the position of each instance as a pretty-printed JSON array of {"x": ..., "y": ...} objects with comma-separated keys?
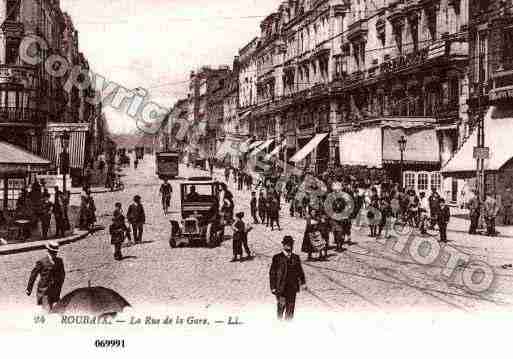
[{"x": 41, "y": 244}]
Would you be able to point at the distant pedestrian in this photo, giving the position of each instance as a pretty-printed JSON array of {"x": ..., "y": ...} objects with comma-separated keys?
[
  {"x": 474, "y": 206},
  {"x": 166, "y": 191},
  {"x": 444, "y": 215},
  {"x": 286, "y": 276},
  {"x": 118, "y": 230},
  {"x": 262, "y": 207},
  {"x": 434, "y": 206},
  {"x": 91, "y": 210},
  {"x": 136, "y": 163},
  {"x": 211, "y": 166},
  {"x": 227, "y": 174},
  {"x": 58, "y": 212},
  {"x": 137, "y": 218},
  {"x": 491, "y": 209},
  {"x": 239, "y": 230},
  {"x": 46, "y": 216},
  {"x": 274, "y": 212},
  {"x": 51, "y": 272},
  {"x": 254, "y": 208}
]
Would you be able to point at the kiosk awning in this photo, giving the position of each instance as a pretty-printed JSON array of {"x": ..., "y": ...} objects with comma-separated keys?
[
  {"x": 14, "y": 159},
  {"x": 309, "y": 147}
]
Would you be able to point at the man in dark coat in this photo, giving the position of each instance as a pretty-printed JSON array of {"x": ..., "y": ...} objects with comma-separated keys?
[
  {"x": 51, "y": 277},
  {"x": 46, "y": 216},
  {"x": 444, "y": 215},
  {"x": 286, "y": 276},
  {"x": 474, "y": 205},
  {"x": 58, "y": 213},
  {"x": 254, "y": 208},
  {"x": 137, "y": 218}
]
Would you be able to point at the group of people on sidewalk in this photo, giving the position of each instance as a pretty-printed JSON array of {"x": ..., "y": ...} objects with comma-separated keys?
[
  {"x": 37, "y": 206},
  {"x": 486, "y": 210},
  {"x": 119, "y": 230}
]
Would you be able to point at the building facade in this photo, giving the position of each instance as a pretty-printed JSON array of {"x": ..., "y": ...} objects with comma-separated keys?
[{"x": 34, "y": 106}]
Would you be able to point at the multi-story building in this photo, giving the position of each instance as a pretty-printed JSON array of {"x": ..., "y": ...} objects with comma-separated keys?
[
  {"x": 247, "y": 86},
  {"x": 297, "y": 61},
  {"x": 490, "y": 104},
  {"x": 206, "y": 108},
  {"x": 406, "y": 78}
]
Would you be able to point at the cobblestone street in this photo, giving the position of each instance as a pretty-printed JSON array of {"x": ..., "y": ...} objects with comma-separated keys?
[{"x": 366, "y": 277}]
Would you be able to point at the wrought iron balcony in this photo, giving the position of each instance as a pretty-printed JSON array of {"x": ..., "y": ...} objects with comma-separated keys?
[{"x": 23, "y": 116}]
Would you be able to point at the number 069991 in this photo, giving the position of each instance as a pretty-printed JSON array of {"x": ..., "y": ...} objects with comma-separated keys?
[{"x": 109, "y": 343}]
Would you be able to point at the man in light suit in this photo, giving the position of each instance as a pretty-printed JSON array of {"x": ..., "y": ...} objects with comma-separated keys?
[
  {"x": 286, "y": 276},
  {"x": 51, "y": 277}
]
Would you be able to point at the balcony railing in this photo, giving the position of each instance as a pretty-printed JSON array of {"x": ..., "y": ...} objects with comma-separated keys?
[{"x": 22, "y": 116}]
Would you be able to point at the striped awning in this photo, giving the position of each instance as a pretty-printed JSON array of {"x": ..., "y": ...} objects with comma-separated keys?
[
  {"x": 260, "y": 148},
  {"x": 276, "y": 150},
  {"x": 51, "y": 148}
]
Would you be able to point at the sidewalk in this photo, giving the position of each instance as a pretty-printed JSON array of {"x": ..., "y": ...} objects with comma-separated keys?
[{"x": 32, "y": 246}]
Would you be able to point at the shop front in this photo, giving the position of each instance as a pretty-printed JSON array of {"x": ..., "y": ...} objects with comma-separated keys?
[
  {"x": 378, "y": 147},
  {"x": 498, "y": 167},
  {"x": 17, "y": 170},
  {"x": 307, "y": 158}
]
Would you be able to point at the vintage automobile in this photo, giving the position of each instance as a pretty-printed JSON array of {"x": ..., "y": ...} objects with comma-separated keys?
[{"x": 201, "y": 223}]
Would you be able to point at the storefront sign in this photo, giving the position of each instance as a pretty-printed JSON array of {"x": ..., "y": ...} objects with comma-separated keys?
[
  {"x": 404, "y": 61},
  {"x": 500, "y": 94},
  {"x": 482, "y": 153}
]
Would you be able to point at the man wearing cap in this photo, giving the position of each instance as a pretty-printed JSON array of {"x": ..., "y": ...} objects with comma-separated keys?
[
  {"x": 286, "y": 276},
  {"x": 51, "y": 277},
  {"x": 137, "y": 218}
]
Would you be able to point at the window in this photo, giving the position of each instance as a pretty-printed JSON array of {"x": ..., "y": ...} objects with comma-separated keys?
[
  {"x": 507, "y": 56},
  {"x": 409, "y": 179},
  {"x": 13, "y": 10},
  {"x": 436, "y": 181},
  {"x": 423, "y": 182},
  {"x": 454, "y": 90},
  {"x": 12, "y": 99},
  {"x": 482, "y": 63},
  {"x": 431, "y": 22},
  {"x": 398, "y": 34},
  {"x": 11, "y": 51},
  {"x": 415, "y": 33}
]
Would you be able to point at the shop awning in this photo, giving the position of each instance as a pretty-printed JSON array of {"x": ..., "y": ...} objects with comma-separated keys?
[
  {"x": 422, "y": 145},
  {"x": 230, "y": 146},
  {"x": 14, "y": 159},
  {"x": 362, "y": 147},
  {"x": 309, "y": 147},
  {"x": 275, "y": 151},
  {"x": 244, "y": 115},
  {"x": 260, "y": 148},
  {"x": 378, "y": 145},
  {"x": 244, "y": 147},
  {"x": 498, "y": 128}
]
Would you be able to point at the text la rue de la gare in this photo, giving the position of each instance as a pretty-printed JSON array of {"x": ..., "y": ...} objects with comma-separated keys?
[{"x": 146, "y": 320}]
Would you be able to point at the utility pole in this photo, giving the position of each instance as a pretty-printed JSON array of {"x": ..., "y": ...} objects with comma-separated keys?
[{"x": 480, "y": 152}]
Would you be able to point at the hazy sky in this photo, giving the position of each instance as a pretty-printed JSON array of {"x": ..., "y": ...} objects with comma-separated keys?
[{"x": 155, "y": 44}]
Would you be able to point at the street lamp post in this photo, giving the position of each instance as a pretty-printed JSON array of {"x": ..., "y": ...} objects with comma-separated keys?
[
  {"x": 402, "y": 147},
  {"x": 65, "y": 138}
]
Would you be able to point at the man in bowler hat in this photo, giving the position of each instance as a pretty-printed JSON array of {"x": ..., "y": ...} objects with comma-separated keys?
[
  {"x": 286, "y": 276},
  {"x": 51, "y": 277}
]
